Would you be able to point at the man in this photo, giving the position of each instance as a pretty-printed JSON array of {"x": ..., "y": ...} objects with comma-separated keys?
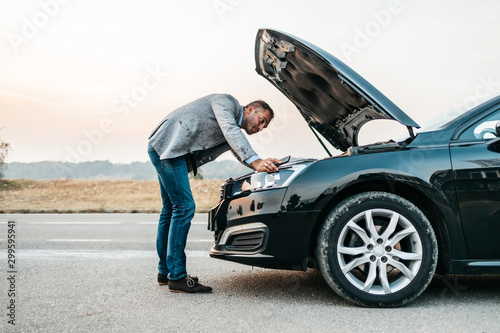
[{"x": 187, "y": 138}]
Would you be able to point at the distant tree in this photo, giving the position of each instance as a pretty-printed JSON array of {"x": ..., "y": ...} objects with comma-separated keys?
[{"x": 4, "y": 151}]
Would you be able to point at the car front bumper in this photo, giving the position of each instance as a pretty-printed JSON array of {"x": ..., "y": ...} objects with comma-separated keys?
[{"x": 254, "y": 229}]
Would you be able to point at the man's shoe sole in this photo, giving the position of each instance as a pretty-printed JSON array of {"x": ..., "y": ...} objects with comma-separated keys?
[
  {"x": 195, "y": 278},
  {"x": 187, "y": 292}
]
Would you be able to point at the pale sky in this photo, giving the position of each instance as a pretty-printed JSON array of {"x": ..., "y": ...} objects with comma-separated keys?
[{"x": 85, "y": 80}]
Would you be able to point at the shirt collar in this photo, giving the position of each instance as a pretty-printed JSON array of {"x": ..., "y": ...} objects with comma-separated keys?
[{"x": 241, "y": 117}]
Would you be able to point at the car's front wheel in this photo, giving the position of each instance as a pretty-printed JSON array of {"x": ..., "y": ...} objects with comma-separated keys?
[{"x": 377, "y": 249}]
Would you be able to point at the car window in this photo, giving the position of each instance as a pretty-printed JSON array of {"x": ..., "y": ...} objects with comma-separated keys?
[{"x": 483, "y": 129}]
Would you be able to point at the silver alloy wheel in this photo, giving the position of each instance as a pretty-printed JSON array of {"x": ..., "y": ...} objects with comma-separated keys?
[{"x": 379, "y": 251}]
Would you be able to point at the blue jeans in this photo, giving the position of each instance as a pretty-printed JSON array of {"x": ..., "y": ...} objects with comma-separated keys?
[{"x": 176, "y": 214}]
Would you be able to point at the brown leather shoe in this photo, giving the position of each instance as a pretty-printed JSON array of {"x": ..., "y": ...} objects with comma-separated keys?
[
  {"x": 187, "y": 285},
  {"x": 163, "y": 279}
]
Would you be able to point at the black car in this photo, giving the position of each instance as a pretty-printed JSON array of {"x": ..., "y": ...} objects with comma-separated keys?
[{"x": 378, "y": 220}]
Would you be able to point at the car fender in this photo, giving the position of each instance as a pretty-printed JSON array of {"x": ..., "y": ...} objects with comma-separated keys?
[{"x": 327, "y": 182}]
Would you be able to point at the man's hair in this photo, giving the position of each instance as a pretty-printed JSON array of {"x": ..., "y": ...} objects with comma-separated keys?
[{"x": 260, "y": 104}]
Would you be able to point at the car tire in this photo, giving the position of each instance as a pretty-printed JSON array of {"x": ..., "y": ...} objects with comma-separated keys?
[{"x": 377, "y": 249}]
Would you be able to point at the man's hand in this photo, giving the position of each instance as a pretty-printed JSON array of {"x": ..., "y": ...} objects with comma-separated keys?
[{"x": 266, "y": 165}]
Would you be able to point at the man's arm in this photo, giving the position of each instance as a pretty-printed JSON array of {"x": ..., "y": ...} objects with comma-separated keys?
[
  {"x": 223, "y": 107},
  {"x": 266, "y": 165},
  {"x": 259, "y": 164}
]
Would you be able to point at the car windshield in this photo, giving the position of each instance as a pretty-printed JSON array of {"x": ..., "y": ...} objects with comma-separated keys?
[
  {"x": 441, "y": 119},
  {"x": 396, "y": 132},
  {"x": 430, "y": 124},
  {"x": 385, "y": 130}
]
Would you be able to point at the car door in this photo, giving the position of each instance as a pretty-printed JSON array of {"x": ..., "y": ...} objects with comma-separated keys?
[{"x": 475, "y": 157}]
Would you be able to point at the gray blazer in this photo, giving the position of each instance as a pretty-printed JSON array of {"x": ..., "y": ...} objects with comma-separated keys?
[{"x": 205, "y": 128}]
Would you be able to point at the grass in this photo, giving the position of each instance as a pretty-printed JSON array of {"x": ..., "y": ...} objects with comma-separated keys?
[{"x": 105, "y": 195}]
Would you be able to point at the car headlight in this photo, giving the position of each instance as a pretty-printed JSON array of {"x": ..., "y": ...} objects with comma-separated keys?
[{"x": 264, "y": 180}]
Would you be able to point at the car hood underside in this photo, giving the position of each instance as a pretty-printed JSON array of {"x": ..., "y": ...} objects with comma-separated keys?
[{"x": 333, "y": 99}]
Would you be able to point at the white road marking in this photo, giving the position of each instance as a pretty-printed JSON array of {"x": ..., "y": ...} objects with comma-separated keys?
[
  {"x": 202, "y": 223},
  {"x": 74, "y": 222},
  {"x": 112, "y": 240},
  {"x": 197, "y": 254},
  {"x": 79, "y": 240},
  {"x": 89, "y": 222},
  {"x": 97, "y": 254}
]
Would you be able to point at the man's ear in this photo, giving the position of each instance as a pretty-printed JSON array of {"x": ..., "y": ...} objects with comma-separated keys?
[{"x": 247, "y": 111}]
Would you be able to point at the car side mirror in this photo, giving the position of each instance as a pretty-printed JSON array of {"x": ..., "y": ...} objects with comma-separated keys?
[{"x": 494, "y": 144}]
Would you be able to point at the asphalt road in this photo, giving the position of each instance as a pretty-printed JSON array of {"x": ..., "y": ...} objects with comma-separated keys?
[{"x": 97, "y": 273}]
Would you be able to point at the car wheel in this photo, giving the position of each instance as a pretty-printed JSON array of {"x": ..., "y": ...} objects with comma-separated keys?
[{"x": 377, "y": 249}]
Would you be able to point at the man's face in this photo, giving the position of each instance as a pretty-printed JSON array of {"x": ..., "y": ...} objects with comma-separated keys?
[{"x": 255, "y": 120}]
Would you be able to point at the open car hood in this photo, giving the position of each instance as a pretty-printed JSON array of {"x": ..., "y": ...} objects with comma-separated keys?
[{"x": 333, "y": 99}]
